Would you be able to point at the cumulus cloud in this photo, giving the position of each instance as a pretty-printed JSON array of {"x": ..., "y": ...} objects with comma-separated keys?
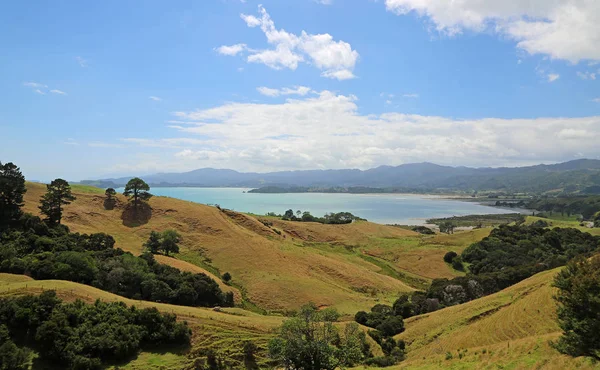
[
  {"x": 561, "y": 29},
  {"x": 59, "y": 92},
  {"x": 413, "y": 96},
  {"x": 336, "y": 59},
  {"x": 155, "y": 98},
  {"x": 296, "y": 90},
  {"x": 327, "y": 130},
  {"x": 231, "y": 50},
  {"x": 553, "y": 77}
]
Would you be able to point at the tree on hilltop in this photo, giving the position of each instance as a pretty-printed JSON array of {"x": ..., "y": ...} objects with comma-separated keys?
[
  {"x": 137, "y": 191},
  {"x": 12, "y": 188},
  {"x": 58, "y": 194}
]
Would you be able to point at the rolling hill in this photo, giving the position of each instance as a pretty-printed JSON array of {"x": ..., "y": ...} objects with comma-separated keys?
[
  {"x": 581, "y": 175},
  {"x": 350, "y": 267}
]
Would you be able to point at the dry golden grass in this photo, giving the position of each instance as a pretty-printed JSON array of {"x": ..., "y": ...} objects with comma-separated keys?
[
  {"x": 15, "y": 285},
  {"x": 525, "y": 309},
  {"x": 273, "y": 271}
]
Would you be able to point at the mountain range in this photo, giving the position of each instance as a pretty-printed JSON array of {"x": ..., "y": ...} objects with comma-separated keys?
[{"x": 577, "y": 176}]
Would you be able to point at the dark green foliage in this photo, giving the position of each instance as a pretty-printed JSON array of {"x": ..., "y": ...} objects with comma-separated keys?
[
  {"x": 153, "y": 243},
  {"x": 110, "y": 193},
  {"x": 58, "y": 194},
  {"x": 447, "y": 227},
  {"x": 540, "y": 223},
  {"x": 138, "y": 191},
  {"x": 579, "y": 307},
  {"x": 448, "y": 257},
  {"x": 311, "y": 341},
  {"x": 82, "y": 336},
  {"x": 170, "y": 241},
  {"x": 423, "y": 230},
  {"x": 586, "y": 206},
  {"x": 111, "y": 201},
  {"x": 165, "y": 242},
  {"x": 226, "y": 277},
  {"x": 457, "y": 264},
  {"x": 12, "y": 188},
  {"x": 54, "y": 253},
  {"x": 11, "y": 356},
  {"x": 508, "y": 255},
  {"x": 329, "y": 218}
]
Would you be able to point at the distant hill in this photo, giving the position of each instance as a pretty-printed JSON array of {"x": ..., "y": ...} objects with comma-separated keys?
[{"x": 582, "y": 175}]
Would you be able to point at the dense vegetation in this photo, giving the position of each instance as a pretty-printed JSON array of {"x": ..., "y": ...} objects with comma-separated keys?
[
  {"x": 508, "y": 255},
  {"x": 386, "y": 322},
  {"x": 480, "y": 220},
  {"x": 310, "y": 340},
  {"x": 47, "y": 250},
  {"x": 329, "y": 218},
  {"x": 44, "y": 252},
  {"x": 81, "y": 336},
  {"x": 165, "y": 242},
  {"x": 579, "y": 308},
  {"x": 586, "y": 206}
]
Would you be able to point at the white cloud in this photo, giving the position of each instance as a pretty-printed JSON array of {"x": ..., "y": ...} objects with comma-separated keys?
[
  {"x": 250, "y": 20},
  {"x": 324, "y": 2},
  {"x": 35, "y": 85},
  {"x": 597, "y": 100},
  {"x": 327, "y": 131},
  {"x": 42, "y": 89},
  {"x": 553, "y": 77},
  {"x": 155, "y": 98},
  {"x": 561, "y": 29},
  {"x": 335, "y": 59},
  {"x": 586, "y": 75},
  {"x": 413, "y": 96},
  {"x": 296, "y": 90},
  {"x": 82, "y": 62},
  {"x": 231, "y": 50},
  {"x": 71, "y": 141}
]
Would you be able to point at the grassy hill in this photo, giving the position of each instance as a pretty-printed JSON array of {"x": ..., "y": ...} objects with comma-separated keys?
[
  {"x": 277, "y": 268},
  {"x": 350, "y": 267}
]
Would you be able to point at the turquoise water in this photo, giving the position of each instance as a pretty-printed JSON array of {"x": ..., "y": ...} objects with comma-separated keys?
[{"x": 381, "y": 208}]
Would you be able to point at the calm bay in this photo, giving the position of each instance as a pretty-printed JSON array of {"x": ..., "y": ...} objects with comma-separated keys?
[{"x": 409, "y": 209}]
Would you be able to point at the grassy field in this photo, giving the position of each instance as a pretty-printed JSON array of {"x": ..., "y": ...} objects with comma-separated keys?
[
  {"x": 350, "y": 267},
  {"x": 278, "y": 268}
]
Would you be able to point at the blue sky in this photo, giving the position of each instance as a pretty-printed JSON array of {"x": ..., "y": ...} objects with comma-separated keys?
[{"x": 95, "y": 89}]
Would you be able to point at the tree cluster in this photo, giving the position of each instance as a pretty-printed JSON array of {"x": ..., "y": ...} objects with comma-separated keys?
[
  {"x": 386, "y": 322},
  {"x": 578, "y": 301},
  {"x": 311, "y": 341},
  {"x": 329, "y": 218},
  {"x": 508, "y": 255},
  {"x": 43, "y": 252},
  {"x": 165, "y": 242},
  {"x": 586, "y": 206},
  {"x": 83, "y": 336}
]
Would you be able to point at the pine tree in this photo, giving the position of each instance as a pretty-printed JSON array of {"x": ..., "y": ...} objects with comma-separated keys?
[
  {"x": 58, "y": 194},
  {"x": 12, "y": 188},
  {"x": 138, "y": 191}
]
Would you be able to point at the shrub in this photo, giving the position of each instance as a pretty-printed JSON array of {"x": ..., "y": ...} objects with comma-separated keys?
[
  {"x": 448, "y": 257},
  {"x": 457, "y": 264},
  {"x": 226, "y": 277}
]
